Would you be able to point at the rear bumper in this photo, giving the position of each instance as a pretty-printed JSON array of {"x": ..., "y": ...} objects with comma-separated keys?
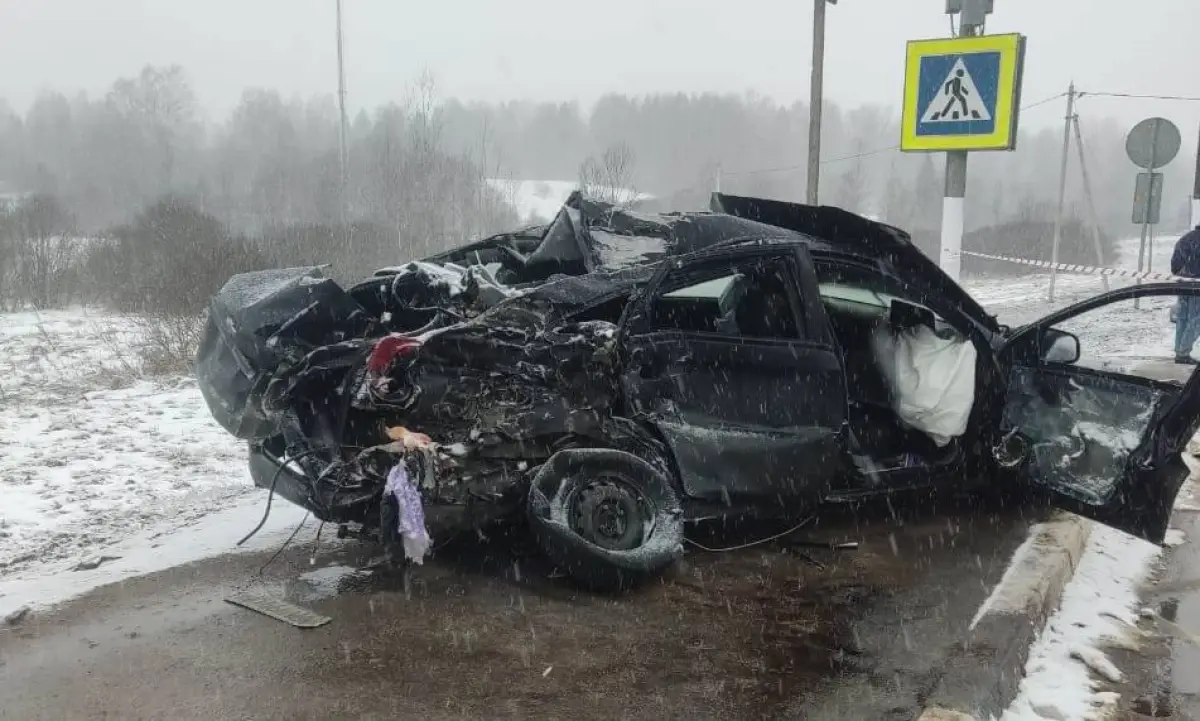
[{"x": 267, "y": 471}]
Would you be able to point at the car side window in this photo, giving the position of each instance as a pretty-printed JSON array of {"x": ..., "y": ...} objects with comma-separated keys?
[
  {"x": 750, "y": 299},
  {"x": 854, "y": 293},
  {"x": 1127, "y": 337}
]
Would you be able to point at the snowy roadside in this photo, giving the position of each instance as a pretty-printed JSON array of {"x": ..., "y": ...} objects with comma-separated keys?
[
  {"x": 1068, "y": 672},
  {"x": 98, "y": 465},
  {"x": 93, "y": 455},
  {"x": 171, "y": 543},
  {"x": 1022, "y": 299}
]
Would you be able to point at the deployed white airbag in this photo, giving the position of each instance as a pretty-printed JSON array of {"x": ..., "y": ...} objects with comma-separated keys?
[{"x": 931, "y": 379}]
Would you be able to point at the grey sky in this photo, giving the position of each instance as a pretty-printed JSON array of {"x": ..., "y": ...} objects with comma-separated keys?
[{"x": 544, "y": 49}]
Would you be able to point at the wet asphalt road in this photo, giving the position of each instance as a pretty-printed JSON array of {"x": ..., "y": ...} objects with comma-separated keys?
[
  {"x": 1164, "y": 672},
  {"x": 1184, "y": 609},
  {"x": 770, "y": 632}
]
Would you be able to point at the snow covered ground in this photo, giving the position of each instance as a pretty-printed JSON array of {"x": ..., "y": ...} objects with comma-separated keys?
[
  {"x": 1068, "y": 674},
  {"x": 1023, "y": 299},
  {"x": 1117, "y": 336},
  {"x": 1068, "y": 670},
  {"x": 98, "y": 460}
]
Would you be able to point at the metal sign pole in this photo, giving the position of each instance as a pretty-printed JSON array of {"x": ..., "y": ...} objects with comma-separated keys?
[
  {"x": 1150, "y": 230},
  {"x": 1148, "y": 203},
  {"x": 961, "y": 94},
  {"x": 1151, "y": 144},
  {"x": 1195, "y": 214},
  {"x": 955, "y": 195}
]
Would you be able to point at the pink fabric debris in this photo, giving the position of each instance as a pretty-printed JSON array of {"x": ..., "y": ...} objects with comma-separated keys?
[{"x": 412, "y": 513}]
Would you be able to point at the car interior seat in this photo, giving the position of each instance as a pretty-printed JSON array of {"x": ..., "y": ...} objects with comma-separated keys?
[{"x": 729, "y": 303}]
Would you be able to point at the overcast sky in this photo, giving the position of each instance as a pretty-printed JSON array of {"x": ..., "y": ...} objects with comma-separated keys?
[{"x": 543, "y": 49}]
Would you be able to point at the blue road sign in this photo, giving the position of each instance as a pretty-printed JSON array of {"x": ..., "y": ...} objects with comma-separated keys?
[
  {"x": 957, "y": 94},
  {"x": 961, "y": 93}
]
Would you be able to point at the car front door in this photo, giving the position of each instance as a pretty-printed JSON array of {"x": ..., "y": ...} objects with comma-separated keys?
[
  {"x": 1100, "y": 440},
  {"x": 728, "y": 354}
]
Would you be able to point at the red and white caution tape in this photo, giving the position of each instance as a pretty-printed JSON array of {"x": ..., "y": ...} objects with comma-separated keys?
[{"x": 1078, "y": 269}]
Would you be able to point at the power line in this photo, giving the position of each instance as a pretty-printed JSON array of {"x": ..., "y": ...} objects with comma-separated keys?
[
  {"x": 856, "y": 156},
  {"x": 1046, "y": 100},
  {"x": 863, "y": 154},
  {"x": 1186, "y": 98}
]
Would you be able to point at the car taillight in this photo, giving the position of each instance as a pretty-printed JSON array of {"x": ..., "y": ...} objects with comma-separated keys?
[{"x": 389, "y": 349}]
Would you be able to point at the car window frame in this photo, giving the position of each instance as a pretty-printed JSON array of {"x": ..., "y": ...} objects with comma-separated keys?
[
  {"x": 908, "y": 293},
  {"x": 731, "y": 261}
]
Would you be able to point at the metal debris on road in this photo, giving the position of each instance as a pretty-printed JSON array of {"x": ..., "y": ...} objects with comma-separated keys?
[{"x": 278, "y": 609}]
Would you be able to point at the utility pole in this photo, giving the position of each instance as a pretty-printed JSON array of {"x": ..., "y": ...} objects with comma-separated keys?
[
  {"x": 1091, "y": 201},
  {"x": 342, "y": 152},
  {"x": 816, "y": 101},
  {"x": 1062, "y": 186},
  {"x": 1195, "y": 219}
]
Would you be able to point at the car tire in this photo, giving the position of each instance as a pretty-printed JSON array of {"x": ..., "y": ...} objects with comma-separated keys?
[{"x": 606, "y": 517}]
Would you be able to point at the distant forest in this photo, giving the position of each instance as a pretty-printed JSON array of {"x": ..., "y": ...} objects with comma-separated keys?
[
  {"x": 144, "y": 173},
  {"x": 274, "y": 160}
]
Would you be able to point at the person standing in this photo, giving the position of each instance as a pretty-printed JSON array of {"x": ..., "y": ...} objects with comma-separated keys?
[{"x": 1185, "y": 262}]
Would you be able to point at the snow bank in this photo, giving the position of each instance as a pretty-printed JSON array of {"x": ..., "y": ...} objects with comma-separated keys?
[{"x": 1067, "y": 667}]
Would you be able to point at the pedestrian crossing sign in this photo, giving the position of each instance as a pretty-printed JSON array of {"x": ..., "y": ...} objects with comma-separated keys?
[{"x": 962, "y": 93}]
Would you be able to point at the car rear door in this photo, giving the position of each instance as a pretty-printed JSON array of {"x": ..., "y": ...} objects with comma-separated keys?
[
  {"x": 1102, "y": 441},
  {"x": 729, "y": 356}
]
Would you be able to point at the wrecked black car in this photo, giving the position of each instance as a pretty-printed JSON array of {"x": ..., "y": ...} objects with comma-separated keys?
[{"x": 613, "y": 375}]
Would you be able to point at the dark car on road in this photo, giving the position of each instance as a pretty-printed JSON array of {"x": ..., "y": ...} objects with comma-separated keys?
[{"x": 614, "y": 375}]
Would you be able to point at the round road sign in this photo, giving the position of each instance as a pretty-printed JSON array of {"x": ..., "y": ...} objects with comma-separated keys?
[{"x": 1152, "y": 143}]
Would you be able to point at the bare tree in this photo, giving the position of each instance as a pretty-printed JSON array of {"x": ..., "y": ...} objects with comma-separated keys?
[
  {"x": 41, "y": 248},
  {"x": 161, "y": 103},
  {"x": 610, "y": 178}
]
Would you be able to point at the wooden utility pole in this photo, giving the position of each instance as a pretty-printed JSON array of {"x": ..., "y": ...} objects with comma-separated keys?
[
  {"x": 1091, "y": 201},
  {"x": 343, "y": 160},
  {"x": 1062, "y": 186},
  {"x": 815, "y": 102}
]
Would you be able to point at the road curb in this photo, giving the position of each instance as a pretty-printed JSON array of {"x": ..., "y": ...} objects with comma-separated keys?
[{"x": 981, "y": 675}]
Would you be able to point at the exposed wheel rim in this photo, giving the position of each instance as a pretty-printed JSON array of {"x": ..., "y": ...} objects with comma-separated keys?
[{"x": 610, "y": 513}]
